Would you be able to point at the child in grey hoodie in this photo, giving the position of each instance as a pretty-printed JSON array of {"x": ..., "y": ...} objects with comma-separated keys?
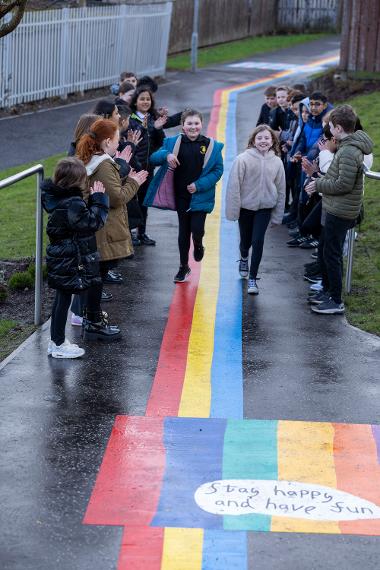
[{"x": 255, "y": 197}]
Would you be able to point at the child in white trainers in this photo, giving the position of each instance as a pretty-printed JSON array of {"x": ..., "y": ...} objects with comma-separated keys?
[
  {"x": 71, "y": 256},
  {"x": 255, "y": 197}
]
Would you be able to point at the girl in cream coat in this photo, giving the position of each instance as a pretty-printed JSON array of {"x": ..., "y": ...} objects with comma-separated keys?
[{"x": 255, "y": 197}]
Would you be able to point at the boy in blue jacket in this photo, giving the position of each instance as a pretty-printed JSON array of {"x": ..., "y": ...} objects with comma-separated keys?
[{"x": 198, "y": 165}]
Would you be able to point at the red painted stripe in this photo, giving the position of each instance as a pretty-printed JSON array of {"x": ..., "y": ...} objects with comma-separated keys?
[
  {"x": 166, "y": 391},
  {"x": 141, "y": 549},
  {"x": 357, "y": 471},
  {"x": 128, "y": 486},
  {"x": 165, "y": 396}
]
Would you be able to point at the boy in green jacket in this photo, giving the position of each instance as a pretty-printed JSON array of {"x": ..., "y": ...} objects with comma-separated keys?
[{"x": 342, "y": 195}]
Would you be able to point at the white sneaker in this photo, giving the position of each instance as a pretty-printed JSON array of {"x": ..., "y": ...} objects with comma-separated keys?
[
  {"x": 66, "y": 350},
  {"x": 76, "y": 320},
  {"x": 50, "y": 347},
  {"x": 252, "y": 287},
  {"x": 243, "y": 268},
  {"x": 316, "y": 286}
]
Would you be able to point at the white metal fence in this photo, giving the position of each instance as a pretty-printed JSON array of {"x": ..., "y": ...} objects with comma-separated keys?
[{"x": 56, "y": 52}]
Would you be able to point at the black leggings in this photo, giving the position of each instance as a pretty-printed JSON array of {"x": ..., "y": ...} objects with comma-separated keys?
[
  {"x": 190, "y": 224},
  {"x": 253, "y": 225},
  {"x": 91, "y": 301},
  {"x": 141, "y": 197}
]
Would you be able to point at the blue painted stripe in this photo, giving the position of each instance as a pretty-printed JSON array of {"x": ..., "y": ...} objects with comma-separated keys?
[
  {"x": 223, "y": 550},
  {"x": 227, "y": 370},
  {"x": 194, "y": 455}
]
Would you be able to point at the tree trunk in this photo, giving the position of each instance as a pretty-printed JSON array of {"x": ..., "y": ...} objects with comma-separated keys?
[{"x": 360, "y": 47}]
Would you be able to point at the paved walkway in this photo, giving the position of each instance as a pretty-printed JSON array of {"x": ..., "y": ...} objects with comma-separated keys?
[{"x": 223, "y": 432}]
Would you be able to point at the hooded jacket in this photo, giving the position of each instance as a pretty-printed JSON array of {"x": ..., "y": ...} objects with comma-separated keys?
[
  {"x": 151, "y": 139},
  {"x": 114, "y": 239},
  {"x": 256, "y": 182},
  {"x": 311, "y": 130},
  {"x": 71, "y": 256},
  {"x": 342, "y": 185}
]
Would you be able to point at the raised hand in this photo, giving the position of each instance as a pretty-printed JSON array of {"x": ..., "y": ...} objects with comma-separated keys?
[
  {"x": 163, "y": 111},
  {"x": 173, "y": 161},
  {"x": 97, "y": 187},
  {"x": 309, "y": 167},
  {"x": 139, "y": 177},
  {"x": 159, "y": 123},
  {"x": 125, "y": 154}
]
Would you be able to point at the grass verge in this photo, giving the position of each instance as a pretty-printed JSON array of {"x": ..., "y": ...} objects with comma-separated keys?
[
  {"x": 363, "y": 304},
  {"x": 240, "y": 49},
  {"x": 17, "y": 214},
  {"x": 12, "y": 334}
]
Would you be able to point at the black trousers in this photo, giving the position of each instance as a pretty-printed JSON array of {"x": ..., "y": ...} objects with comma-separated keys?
[
  {"x": 252, "y": 226},
  {"x": 90, "y": 302},
  {"x": 144, "y": 210},
  {"x": 190, "y": 224},
  {"x": 331, "y": 254}
]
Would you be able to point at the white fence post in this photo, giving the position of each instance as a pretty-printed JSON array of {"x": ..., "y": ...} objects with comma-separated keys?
[{"x": 64, "y": 51}]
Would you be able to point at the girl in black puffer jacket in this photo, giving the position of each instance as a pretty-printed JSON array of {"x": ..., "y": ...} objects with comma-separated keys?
[{"x": 71, "y": 256}]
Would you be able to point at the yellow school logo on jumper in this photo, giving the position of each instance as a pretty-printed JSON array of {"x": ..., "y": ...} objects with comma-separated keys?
[{"x": 203, "y": 149}]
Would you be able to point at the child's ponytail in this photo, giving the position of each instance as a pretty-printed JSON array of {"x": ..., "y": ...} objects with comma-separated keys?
[{"x": 90, "y": 143}]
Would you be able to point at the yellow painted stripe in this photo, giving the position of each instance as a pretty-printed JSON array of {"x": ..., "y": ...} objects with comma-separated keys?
[
  {"x": 196, "y": 391},
  {"x": 182, "y": 549},
  {"x": 305, "y": 454}
]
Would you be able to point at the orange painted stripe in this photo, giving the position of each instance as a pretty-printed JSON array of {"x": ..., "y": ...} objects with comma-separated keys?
[{"x": 357, "y": 471}]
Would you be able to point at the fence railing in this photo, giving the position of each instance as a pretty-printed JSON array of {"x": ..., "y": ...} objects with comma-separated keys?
[
  {"x": 300, "y": 15},
  {"x": 39, "y": 171},
  {"x": 56, "y": 52},
  {"x": 351, "y": 237}
]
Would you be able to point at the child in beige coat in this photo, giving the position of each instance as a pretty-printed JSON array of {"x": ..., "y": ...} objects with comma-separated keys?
[{"x": 255, "y": 197}]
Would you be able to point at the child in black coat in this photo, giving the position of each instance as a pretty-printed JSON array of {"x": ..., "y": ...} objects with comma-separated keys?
[{"x": 71, "y": 256}]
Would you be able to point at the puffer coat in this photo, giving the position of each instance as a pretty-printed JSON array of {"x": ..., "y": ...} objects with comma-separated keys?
[
  {"x": 71, "y": 256},
  {"x": 114, "y": 239},
  {"x": 342, "y": 185}
]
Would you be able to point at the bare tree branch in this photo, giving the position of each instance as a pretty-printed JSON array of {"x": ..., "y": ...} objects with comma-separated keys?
[{"x": 16, "y": 9}]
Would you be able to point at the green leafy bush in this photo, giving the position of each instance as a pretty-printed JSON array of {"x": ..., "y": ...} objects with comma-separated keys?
[
  {"x": 3, "y": 293},
  {"x": 21, "y": 280}
]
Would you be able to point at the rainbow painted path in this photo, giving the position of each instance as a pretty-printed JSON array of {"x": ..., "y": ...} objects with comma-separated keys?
[{"x": 194, "y": 434}]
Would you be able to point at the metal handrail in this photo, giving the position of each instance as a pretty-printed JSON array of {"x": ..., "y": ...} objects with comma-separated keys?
[
  {"x": 39, "y": 171},
  {"x": 351, "y": 235}
]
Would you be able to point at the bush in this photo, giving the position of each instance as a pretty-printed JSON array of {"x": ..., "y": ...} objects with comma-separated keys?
[
  {"x": 21, "y": 280},
  {"x": 32, "y": 271},
  {"x": 3, "y": 293}
]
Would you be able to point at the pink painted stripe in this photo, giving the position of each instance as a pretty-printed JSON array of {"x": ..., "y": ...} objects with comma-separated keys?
[{"x": 141, "y": 548}]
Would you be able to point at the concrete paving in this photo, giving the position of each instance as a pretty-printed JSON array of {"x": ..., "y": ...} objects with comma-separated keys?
[{"x": 57, "y": 416}]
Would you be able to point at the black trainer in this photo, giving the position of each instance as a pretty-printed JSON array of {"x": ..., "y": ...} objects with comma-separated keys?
[
  {"x": 113, "y": 278},
  {"x": 146, "y": 240},
  {"x": 100, "y": 330},
  {"x": 198, "y": 252},
  {"x": 183, "y": 272},
  {"x": 106, "y": 296}
]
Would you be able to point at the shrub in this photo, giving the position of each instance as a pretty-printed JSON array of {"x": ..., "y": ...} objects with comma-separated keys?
[
  {"x": 32, "y": 270},
  {"x": 3, "y": 293},
  {"x": 21, "y": 280}
]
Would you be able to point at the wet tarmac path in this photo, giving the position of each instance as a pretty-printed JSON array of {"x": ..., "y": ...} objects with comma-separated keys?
[{"x": 104, "y": 460}]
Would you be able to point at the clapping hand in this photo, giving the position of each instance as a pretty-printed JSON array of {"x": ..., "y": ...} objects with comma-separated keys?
[
  {"x": 138, "y": 177},
  {"x": 310, "y": 188},
  {"x": 134, "y": 136},
  {"x": 309, "y": 167},
  {"x": 97, "y": 187},
  {"x": 125, "y": 154}
]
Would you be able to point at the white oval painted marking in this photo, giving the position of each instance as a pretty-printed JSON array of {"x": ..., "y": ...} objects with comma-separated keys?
[{"x": 282, "y": 498}]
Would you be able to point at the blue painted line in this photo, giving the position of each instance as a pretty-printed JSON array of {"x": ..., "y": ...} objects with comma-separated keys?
[
  {"x": 227, "y": 369},
  {"x": 223, "y": 550},
  {"x": 194, "y": 456}
]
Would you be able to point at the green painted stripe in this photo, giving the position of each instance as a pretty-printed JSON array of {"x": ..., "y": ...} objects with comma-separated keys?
[{"x": 250, "y": 452}]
